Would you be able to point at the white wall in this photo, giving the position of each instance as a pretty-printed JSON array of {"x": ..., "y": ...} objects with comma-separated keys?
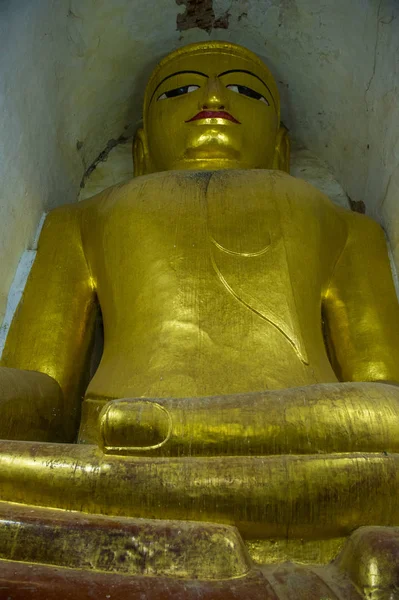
[
  {"x": 74, "y": 70},
  {"x": 37, "y": 169}
]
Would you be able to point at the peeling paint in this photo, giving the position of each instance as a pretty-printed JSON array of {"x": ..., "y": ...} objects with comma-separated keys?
[
  {"x": 101, "y": 157},
  {"x": 200, "y": 14},
  {"x": 357, "y": 206}
]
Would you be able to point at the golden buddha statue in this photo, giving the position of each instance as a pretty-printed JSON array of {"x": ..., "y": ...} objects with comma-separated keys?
[{"x": 251, "y": 341}]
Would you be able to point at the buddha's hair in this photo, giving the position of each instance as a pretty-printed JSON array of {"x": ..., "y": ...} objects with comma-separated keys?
[{"x": 204, "y": 47}]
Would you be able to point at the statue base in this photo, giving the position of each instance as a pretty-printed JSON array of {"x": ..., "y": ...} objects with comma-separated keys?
[{"x": 52, "y": 554}]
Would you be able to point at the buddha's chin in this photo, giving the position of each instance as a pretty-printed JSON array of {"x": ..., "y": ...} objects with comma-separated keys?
[
  {"x": 212, "y": 151},
  {"x": 213, "y": 164},
  {"x": 212, "y": 158},
  {"x": 207, "y": 164}
]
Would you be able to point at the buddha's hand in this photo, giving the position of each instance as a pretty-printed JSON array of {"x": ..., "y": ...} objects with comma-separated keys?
[
  {"x": 133, "y": 425},
  {"x": 30, "y": 406},
  {"x": 321, "y": 418}
]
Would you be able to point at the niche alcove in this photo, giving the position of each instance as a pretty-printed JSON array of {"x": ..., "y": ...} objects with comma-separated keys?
[{"x": 71, "y": 90}]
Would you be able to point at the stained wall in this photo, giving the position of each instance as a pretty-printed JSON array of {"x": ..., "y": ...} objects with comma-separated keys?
[{"x": 73, "y": 73}]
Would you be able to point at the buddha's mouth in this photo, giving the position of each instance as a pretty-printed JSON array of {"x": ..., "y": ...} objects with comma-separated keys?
[{"x": 213, "y": 114}]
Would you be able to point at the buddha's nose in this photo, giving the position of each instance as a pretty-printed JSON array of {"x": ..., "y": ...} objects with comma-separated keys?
[{"x": 214, "y": 95}]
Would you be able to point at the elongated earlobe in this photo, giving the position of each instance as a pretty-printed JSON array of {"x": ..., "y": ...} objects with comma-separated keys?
[
  {"x": 281, "y": 159},
  {"x": 140, "y": 154}
]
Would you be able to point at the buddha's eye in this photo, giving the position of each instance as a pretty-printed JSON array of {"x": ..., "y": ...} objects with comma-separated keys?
[
  {"x": 185, "y": 89},
  {"x": 246, "y": 91}
]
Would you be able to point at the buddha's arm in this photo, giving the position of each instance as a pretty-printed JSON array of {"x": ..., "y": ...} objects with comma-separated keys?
[
  {"x": 51, "y": 333},
  {"x": 361, "y": 309}
]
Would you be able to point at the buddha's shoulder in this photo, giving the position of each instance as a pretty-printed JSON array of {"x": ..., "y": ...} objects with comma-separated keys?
[
  {"x": 362, "y": 228},
  {"x": 258, "y": 181},
  {"x": 140, "y": 188}
]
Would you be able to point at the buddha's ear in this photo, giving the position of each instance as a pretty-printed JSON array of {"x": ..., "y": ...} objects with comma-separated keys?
[
  {"x": 281, "y": 159},
  {"x": 140, "y": 153}
]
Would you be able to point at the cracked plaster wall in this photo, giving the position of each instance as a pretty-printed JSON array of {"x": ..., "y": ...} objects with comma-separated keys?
[{"x": 73, "y": 73}]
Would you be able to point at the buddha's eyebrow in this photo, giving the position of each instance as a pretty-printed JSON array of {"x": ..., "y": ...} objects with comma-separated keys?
[
  {"x": 253, "y": 75},
  {"x": 177, "y": 73}
]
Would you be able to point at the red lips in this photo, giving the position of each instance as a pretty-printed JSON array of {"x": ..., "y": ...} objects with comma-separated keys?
[{"x": 214, "y": 114}]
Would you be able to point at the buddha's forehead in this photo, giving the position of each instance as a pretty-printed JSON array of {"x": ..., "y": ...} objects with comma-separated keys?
[{"x": 211, "y": 63}]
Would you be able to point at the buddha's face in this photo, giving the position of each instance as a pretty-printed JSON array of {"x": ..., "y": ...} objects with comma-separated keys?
[{"x": 210, "y": 110}]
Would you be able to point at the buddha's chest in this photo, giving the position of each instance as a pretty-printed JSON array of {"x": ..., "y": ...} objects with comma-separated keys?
[
  {"x": 201, "y": 245},
  {"x": 196, "y": 215},
  {"x": 240, "y": 229}
]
